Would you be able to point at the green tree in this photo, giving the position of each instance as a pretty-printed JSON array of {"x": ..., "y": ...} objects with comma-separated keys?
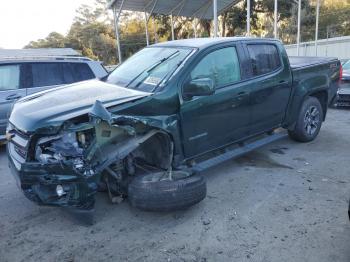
[
  {"x": 93, "y": 34},
  {"x": 53, "y": 40}
]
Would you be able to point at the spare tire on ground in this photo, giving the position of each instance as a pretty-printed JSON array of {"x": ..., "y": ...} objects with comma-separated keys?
[{"x": 157, "y": 192}]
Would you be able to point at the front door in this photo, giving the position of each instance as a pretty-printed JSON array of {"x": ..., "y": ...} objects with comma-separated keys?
[
  {"x": 209, "y": 122},
  {"x": 11, "y": 89}
]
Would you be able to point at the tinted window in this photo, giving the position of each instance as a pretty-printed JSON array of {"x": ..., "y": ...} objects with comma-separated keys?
[
  {"x": 68, "y": 73},
  {"x": 264, "y": 58},
  {"x": 221, "y": 65},
  {"x": 9, "y": 77},
  {"x": 47, "y": 74},
  {"x": 82, "y": 71}
]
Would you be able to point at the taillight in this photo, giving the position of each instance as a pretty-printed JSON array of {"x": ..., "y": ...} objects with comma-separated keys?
[{"x": 340, "y": 73}]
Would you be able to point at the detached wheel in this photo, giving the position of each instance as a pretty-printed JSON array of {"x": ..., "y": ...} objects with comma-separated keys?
[
  {"x": 157, "y": 192},
  {"x": 309, "y": 121}
]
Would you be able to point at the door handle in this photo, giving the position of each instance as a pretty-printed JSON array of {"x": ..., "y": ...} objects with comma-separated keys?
[
  {"x": 13, "y": 97},
  {"x": 241, "y": 95},
  {"x": 237, "y": 100}
]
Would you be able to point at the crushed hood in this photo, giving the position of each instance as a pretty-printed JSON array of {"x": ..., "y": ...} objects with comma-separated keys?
[{"x": 56, "y": 105}]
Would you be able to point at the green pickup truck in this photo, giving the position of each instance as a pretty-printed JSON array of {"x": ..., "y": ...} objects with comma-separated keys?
[{"x": 148, "y": 129}]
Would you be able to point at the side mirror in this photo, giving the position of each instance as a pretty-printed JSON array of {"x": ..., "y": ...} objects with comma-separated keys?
[{"x": 198, "y": 87}]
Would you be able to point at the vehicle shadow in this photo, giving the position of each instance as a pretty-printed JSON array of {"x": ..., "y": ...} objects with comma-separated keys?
[{"x": 343, "y": 108}]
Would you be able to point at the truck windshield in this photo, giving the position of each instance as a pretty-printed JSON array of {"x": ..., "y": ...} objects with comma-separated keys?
[{"x": 149, "y": 68}]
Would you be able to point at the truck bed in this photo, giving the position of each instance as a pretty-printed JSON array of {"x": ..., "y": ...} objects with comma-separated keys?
[
  {"x": 306, "y": 68},
  {"x": 297, "y": 62}
]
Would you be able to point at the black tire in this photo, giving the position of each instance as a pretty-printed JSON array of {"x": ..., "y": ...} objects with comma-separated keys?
[
  {"x": 156, "y": 192},
  {"x": 309, "y": 121}
]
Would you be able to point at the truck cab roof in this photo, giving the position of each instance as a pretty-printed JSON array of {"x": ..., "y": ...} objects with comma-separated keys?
[{"x": 202, "y": 43}]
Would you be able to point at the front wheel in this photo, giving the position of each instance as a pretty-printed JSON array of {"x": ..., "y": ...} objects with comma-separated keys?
[
  {"x": 159, "y": 192},
  {"x": 309, "y": 121}
]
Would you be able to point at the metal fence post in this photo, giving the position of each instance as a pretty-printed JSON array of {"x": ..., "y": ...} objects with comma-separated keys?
[
  {"x": 215, "y": 14},
  {"x": 146, "y": 29},
  {"x": 317, "y": 19},
  {"x": 172, "y": 27},
  {"x": 299, "y": 18},
  {"x": 276, "y": 17},
  {"x": 116, "y": 23},
  {"x": 248, "y": 17}
]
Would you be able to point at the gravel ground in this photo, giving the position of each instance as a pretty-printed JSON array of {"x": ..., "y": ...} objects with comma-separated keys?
[{"x": 284, "y": 202}]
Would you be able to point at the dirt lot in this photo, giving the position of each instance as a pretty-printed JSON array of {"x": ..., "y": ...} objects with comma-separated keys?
[{"x": 285, "y": 202}]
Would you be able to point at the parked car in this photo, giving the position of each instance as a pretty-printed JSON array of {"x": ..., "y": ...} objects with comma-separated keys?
[
  {"x": 167, "y": 113},
  {"x": 20, "y": 77},
  {"x": 343, "y": 94},
  {"x": 343, "y": 61}
]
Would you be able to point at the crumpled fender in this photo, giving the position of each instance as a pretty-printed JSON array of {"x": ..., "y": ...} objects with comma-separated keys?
[
  {"x": 100, "y": 112},
  {"x": 118, "y": 135},
  {"x": 139, "y": 124}
]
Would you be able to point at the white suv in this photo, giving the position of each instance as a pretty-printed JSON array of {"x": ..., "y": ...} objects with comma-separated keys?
[{"x": 20, "y": 77}]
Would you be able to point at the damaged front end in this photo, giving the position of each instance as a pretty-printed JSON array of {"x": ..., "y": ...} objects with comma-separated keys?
[{"x": 102, "y": 151}]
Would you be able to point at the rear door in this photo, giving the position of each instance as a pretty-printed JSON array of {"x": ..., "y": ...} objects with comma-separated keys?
[
  {"x": 209, "y": 122},
  {"x": 45, "y": 76},
  {"x": 271, "y": 84},
  {"x": 11, "y": 89}
]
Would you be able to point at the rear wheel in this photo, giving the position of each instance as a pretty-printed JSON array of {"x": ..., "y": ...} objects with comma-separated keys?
[{"x": 309, "y": 121}]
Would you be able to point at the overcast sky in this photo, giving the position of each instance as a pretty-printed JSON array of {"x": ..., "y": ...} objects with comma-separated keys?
[{"x": 22, "y": 21}]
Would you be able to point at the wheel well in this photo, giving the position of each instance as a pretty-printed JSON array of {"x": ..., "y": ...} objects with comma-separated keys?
[
  {"x": 322, "y": 96},
  {"x": 157, "y": 151}
]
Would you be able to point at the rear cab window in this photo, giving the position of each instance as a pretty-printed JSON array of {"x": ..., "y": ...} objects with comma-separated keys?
[
  {"x": 264, "y": 58},
  {"x": 10, "y": 77}
]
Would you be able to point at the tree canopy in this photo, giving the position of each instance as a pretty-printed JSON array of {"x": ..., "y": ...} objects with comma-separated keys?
[{"x": 93, "y": 34}]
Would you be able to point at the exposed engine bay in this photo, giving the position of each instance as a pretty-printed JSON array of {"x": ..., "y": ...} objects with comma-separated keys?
[{"x": 108, "y": 150}]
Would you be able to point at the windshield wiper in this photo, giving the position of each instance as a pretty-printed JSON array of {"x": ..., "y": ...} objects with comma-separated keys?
[
  {"x": 167, "y": 75},
  {"x": 152, "y": 67}
]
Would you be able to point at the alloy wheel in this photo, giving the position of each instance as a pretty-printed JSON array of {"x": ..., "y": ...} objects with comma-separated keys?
[{"x": 311, "y": 120}]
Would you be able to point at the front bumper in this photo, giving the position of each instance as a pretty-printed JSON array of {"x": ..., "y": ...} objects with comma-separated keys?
[
  {"x": 343, "y": 94},
  {"x": 342, "y": 100},
  {"x": 38, "y": 182}
]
